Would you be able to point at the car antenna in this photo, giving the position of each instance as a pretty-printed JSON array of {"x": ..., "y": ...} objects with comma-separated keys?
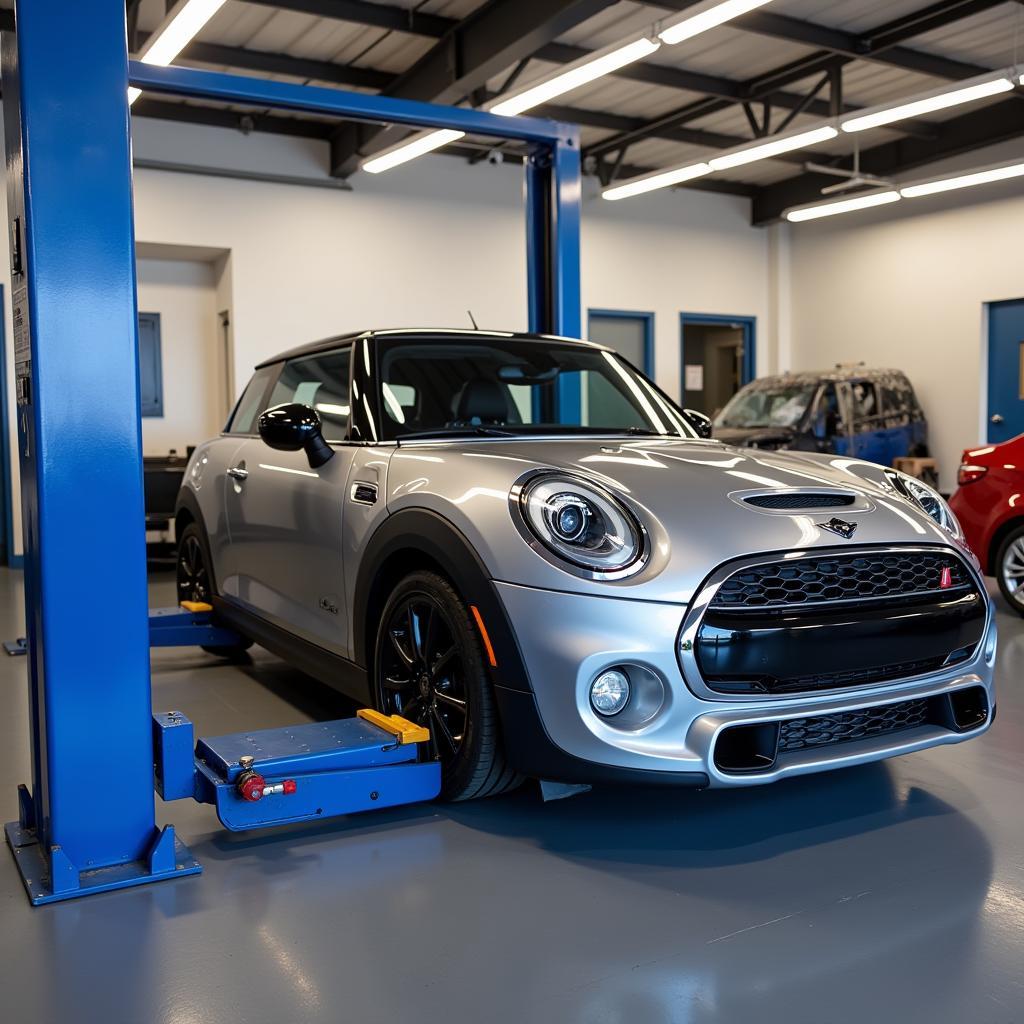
[{"x": 472, "y": 319}]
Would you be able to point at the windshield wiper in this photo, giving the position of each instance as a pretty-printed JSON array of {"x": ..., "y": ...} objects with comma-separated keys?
[{"x": 475, "y": 431}]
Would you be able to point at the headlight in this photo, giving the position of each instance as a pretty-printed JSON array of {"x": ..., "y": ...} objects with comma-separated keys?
[
  {"x": 582, "y": 524},
  {"x": 929, "y": 501}
]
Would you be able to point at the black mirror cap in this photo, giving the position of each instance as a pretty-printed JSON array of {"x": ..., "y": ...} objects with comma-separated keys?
[
  {"x": 701, "y": 423},
  {"x": 293, "y": 426}
]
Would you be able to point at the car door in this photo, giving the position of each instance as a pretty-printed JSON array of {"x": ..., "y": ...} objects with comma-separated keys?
[
  {"x": 869, "y": 436},
  {"x": 285, "y": 560}
]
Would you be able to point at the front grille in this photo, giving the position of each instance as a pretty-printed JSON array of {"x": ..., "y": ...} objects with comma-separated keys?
[
  {"x": 806, "y": 581},
  {"x": 861, "y": 617},
  {"x": 844, "y": 726},
  {"x": 839, "y": 680},
  {"x": 800, "y": 502}
]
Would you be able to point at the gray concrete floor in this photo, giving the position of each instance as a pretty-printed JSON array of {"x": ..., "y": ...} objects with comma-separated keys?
[{"x": 893, "y": 892}]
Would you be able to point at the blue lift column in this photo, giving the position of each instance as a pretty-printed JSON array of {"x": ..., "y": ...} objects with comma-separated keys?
[{"x": 87, "y": 824}]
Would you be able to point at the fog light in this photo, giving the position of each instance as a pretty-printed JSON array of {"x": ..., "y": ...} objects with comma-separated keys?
[{"x": 609, "y": 692}]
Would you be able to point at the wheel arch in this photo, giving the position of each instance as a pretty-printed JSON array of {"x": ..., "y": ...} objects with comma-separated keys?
[
  {"x": 187, "y": 512},
  {"x": 417, "y": 539}
]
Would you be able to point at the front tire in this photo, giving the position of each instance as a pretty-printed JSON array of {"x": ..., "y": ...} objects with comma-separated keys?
[
  {"x": 195, "y": 582},
  {"x": 1009, "y": 568},
  {"x": 429, "y": 668}
]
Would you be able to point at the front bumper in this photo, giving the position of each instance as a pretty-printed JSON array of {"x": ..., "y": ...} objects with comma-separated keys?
[{"x": 567, "y": 639}]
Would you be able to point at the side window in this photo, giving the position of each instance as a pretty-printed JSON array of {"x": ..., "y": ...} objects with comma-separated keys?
[
  {"x": 251, "y": 404},
  {"x": 865, "y": 405},
  {"x": 827, "y": 416},
  {"x": 320, "y": 382},
  {"x": 896, "y": 403}
]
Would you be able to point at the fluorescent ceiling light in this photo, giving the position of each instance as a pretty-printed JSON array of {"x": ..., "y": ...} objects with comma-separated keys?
[
  {"x": 764, "y": 150},
  {"x": 650, "y": 182},
  {"x": 705, "y": 16},
  {"x": 587, "y": 69},
  {"x": 930, "y": 188},
  {"x": 926, "y": 103},
  {"x": 181, "y": 26},
  {"x": 843, "y": 206},
  {"x": 410, "y": 150}
]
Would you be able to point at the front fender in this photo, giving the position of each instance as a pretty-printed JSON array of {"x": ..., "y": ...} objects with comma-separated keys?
[{"x": 420, "y": 531}]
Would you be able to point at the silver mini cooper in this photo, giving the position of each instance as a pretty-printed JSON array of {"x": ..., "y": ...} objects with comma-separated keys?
[{"x": 522, "y": 543}]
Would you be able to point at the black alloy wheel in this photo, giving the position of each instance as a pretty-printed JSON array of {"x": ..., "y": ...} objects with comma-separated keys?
[
  {"x": 429, "y": 668},
  {"x": 193, "y": 576},
  {"x": 195, "y": 583}
]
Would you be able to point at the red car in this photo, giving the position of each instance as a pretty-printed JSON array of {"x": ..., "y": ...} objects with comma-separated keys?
[{"x": 990, "y": 506}]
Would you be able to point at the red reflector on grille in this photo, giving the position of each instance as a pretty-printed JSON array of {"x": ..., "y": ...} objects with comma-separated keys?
[{"x": 946, "y": 579}]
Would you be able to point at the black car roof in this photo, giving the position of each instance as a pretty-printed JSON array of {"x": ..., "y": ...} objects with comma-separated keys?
[
  {"x": 834, "y": 376},
  {"x": 423, "y": 334}
]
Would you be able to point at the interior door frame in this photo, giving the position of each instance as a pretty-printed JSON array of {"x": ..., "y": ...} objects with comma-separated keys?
[
  {"x": 631, "y": 314},
  {"x": 7, "y": 520},
  {"x": 988, "y": 352},
  {"x": 749, "y": 327}
]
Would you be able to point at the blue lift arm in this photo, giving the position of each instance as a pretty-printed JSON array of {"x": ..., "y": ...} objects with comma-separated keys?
[{"x": 75, "y": 324}]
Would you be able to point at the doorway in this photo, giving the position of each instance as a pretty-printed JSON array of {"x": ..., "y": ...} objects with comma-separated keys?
[
  {"x": 631, "y": 334},
  {"x": 717, "y": 359},
  {"x": 1005, "y": 370}
]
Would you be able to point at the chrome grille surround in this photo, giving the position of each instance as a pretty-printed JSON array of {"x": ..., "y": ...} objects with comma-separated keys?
[{"x": 708, "y": 590}]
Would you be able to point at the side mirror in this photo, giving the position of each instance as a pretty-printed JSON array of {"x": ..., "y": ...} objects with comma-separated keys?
[
  {"x": 294, "y": 427},
  {"x": 701, "y": 423}
]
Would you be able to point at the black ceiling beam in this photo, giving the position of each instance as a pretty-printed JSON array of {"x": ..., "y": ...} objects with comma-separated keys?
[
  {"x": 881, "y": 45},
  {"x": 619, "y": 123},
  {"x": 994, "y": 124},
  {"x": 359, "y": 12},
  {"x": 890, "y": 34},
  {"x": 270, "y": 63},
  {"x": 285, "y": 64},
  {"x": 493, "y": 38},
  {"x": 221, "y": 117},
  {"x": 778, "y": 26}
]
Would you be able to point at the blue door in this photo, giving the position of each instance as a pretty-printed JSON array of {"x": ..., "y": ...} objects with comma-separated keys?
[{"x": 1005, "y": 370}]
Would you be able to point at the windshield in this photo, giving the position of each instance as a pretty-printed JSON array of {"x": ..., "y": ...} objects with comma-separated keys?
[
  {"x": 783, "y": 405},
  {"x": 510, "y": 387}
]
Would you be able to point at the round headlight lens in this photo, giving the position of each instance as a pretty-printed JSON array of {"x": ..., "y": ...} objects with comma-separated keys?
[
  {"x": 609, "y": 692},
  {"x": 581, "y": 523},
  {"x": 932, "y": 504}
]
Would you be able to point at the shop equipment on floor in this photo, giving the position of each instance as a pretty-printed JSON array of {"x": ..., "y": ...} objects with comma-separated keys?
[{"x": 86, "y": 822}]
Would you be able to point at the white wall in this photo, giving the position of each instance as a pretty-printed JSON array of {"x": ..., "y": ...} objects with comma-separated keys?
[
  {"x": 905, "y": 286},
  {"x": 417, "y": 246},
  {"x": 183, "y": 292},
  {"x": 424, "y": 243}
]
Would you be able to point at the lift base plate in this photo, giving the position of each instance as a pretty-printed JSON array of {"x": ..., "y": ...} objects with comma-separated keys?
[{"x": 34, "y": 867}]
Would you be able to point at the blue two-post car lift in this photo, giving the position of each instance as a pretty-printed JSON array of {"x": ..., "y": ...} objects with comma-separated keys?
[{"x": 87, "y": 823}]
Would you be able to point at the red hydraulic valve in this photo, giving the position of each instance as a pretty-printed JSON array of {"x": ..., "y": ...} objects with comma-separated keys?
[{"x": 252, "y": 786}]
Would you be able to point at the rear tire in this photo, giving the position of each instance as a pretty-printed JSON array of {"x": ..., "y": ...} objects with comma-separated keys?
[
  {"x": 429, "y": 667},
  {"x": 195, "y": 582},
  {"x": 1009, "y": 569}
]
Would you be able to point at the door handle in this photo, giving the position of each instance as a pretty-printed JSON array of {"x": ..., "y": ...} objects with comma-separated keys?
[
  {"x": 238, "y": 473},
  {"x": 997, "y": 419}
]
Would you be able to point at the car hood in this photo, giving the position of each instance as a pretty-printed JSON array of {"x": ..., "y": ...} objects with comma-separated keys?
[{"x": 690, "y": 495}]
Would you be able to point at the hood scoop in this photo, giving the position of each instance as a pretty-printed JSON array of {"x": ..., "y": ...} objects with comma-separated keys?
[{"x": 803, "y": 501}]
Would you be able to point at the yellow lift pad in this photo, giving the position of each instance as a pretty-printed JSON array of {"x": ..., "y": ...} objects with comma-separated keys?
[
  {"x": 196, "y": 606},
  {"x": 406, "y": 731}
]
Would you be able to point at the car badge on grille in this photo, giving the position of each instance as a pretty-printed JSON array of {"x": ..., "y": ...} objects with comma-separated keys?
[{"x": 840, "y": 527}]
